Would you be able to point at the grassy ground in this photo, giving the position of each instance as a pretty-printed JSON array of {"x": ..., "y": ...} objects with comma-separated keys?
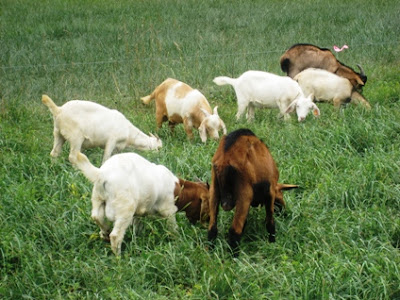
[{"x": 340, "y": 238}]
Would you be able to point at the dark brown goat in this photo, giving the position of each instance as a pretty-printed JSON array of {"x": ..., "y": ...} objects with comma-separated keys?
[
  {"x": 243, "y": 174},
  {"x": 193, "y": 197},
  {"x": 303, "y": 56}
]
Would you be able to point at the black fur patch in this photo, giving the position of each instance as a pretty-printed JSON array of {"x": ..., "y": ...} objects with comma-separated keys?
[
  {"x": 212, "y": 234},
  {"x": 305, "y": 44},
  {"x": 232, "y": 137},
  {"x": 261, "y": 193},
  {"x": 234, "y": 241},
  {"x": 227, "y": 187}
]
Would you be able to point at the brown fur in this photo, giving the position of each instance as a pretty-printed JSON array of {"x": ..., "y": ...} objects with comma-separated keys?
[
  {"x": 244, "y": 174},
  {"x": 302, "y": 56},
  {"x": 190, "y": 121},
  {"x": 192, "y": 198}
]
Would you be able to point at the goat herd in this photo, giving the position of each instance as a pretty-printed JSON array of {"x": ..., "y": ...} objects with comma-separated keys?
[{"x": 243, "y": 171}]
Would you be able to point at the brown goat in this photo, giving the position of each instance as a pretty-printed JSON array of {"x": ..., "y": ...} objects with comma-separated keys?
[
  {"x": 192, "y": 197},
  {"x": 243, "y": 174},
  {"x": 303, "y": 56}
]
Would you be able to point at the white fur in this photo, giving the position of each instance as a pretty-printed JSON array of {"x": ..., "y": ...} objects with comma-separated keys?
[
  {"x": 263, "y": 89},
  {"x": 326, "y": 86},
  {"x": 189, "y": 107},
  {"x": 125, "y": 186},
  {"x": 86, "y": 124}
]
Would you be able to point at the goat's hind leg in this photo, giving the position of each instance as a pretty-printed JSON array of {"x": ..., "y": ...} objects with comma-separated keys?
[
  {"x": 239, "y": 219},
  {"x": 98, "y": 215},
  {"x": 58, "y": 143},
  {"x": 118, "y": 233}
]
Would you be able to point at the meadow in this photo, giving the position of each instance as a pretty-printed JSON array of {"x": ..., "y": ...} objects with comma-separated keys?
[{"x": 340, "y": 235}]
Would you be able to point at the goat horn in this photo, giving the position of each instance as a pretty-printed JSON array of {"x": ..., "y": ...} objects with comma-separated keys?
[{"x": 361, "y": 70}]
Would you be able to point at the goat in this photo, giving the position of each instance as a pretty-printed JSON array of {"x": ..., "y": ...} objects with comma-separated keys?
[
  {"x": 85, "y": 124},
  {"x": 302, "y": 56},
  {"x": 177, "y": 102},
  {"x": 263, "y": 89},
  {"x": 243, "y": 174},
  {"x": 127, "y": 185},
  {"x": 327, "y": 86}
]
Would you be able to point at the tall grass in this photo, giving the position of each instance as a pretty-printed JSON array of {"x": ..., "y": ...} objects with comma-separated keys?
[{"x": 340, "y": 236}]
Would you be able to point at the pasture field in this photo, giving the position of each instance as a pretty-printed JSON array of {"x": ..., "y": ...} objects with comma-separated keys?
[{"x": 340, "y": 236}]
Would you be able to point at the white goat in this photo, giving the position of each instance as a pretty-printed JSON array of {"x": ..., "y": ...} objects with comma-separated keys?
[
  {"x": 177, "y": 102},
  {"x": 125, "y": 186},
  {"x": 328, "y": 87},
  {"x": 86, "y": 124},
  {"x": 263, "y": 89}
]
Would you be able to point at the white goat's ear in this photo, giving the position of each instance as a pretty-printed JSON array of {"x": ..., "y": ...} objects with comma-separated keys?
[
  {"x": 205, "y": 112},
  {"x": 291, "y": 107},
  {"x": 215, "y": 112},
  {"x": 203, "y": 131},
  {"x": 316, "y": 111}
]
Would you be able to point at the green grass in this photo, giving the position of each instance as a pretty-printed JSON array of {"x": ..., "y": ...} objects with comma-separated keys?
[{"x": 340, "y": 237}]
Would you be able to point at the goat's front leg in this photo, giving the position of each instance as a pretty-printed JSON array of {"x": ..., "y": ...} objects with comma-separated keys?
[
  {"x": 213, "y": 208},
  {"x": 188, "y": 125},
  {"x": 108, "y": 149},
  {"x": 58, "y": 143},
  {"x": 243, "y": 201}
]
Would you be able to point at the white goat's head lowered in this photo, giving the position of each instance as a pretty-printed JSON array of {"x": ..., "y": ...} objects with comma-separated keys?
[
  {"x": 303, "y": 106},
  {"x": 211, "y": 124}
]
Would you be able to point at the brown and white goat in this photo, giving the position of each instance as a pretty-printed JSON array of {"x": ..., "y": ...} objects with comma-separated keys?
[
  {"x": 303, "y": 56},
  {"x": 243, "y": 174},
  {"x": 177, "y": 102},
  {"x": 128, "y": 185}
]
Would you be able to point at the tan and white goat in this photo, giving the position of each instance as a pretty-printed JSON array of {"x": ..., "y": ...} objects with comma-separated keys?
[{"x": 177, "y": 102}]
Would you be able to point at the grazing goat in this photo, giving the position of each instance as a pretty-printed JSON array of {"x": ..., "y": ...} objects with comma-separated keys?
[
  {"x": 327, "y": 86},
  {"x": 177, "y": 102},
  {"x": 262, "y": 89},
  {"x": 128, "y": 185},
  {"x": 243, "y": 174},
  {"x": 85, "y": 124},
  {"x": 303, "y": 56}
]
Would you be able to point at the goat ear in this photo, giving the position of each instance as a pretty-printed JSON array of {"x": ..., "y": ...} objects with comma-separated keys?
[
  {"x": 203, "y": 131},
  {"x": 207, "y": 114},
  {"x": 215, "y": 111},
  {"x": 285, "y": 187},
  {"x": 316, "y": 111},
  {"x": 291, "y": 107}
]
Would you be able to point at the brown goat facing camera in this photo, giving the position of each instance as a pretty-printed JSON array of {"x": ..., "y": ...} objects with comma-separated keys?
[{"x": 243, "y": 174}]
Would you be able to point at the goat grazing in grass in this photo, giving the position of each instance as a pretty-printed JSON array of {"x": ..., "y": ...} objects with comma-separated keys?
[
  {"x": 85, "y": 124},
  {"x": 329, "y": 87},
  {"x": 128, "y": 185},
  {"x": 263, "y": 89},
  {"x": 177, "y": 102},
  {"x": 243, "y": 174},
  {"x": 303, "y": 56}
]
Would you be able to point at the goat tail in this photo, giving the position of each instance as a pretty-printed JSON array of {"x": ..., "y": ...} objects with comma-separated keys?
[
  {"x": 223, "y": 80},
  {"x": 90, "y": 171},
  {"x": 54, "y": 109},
  {"x": 146, "y": 100}
]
